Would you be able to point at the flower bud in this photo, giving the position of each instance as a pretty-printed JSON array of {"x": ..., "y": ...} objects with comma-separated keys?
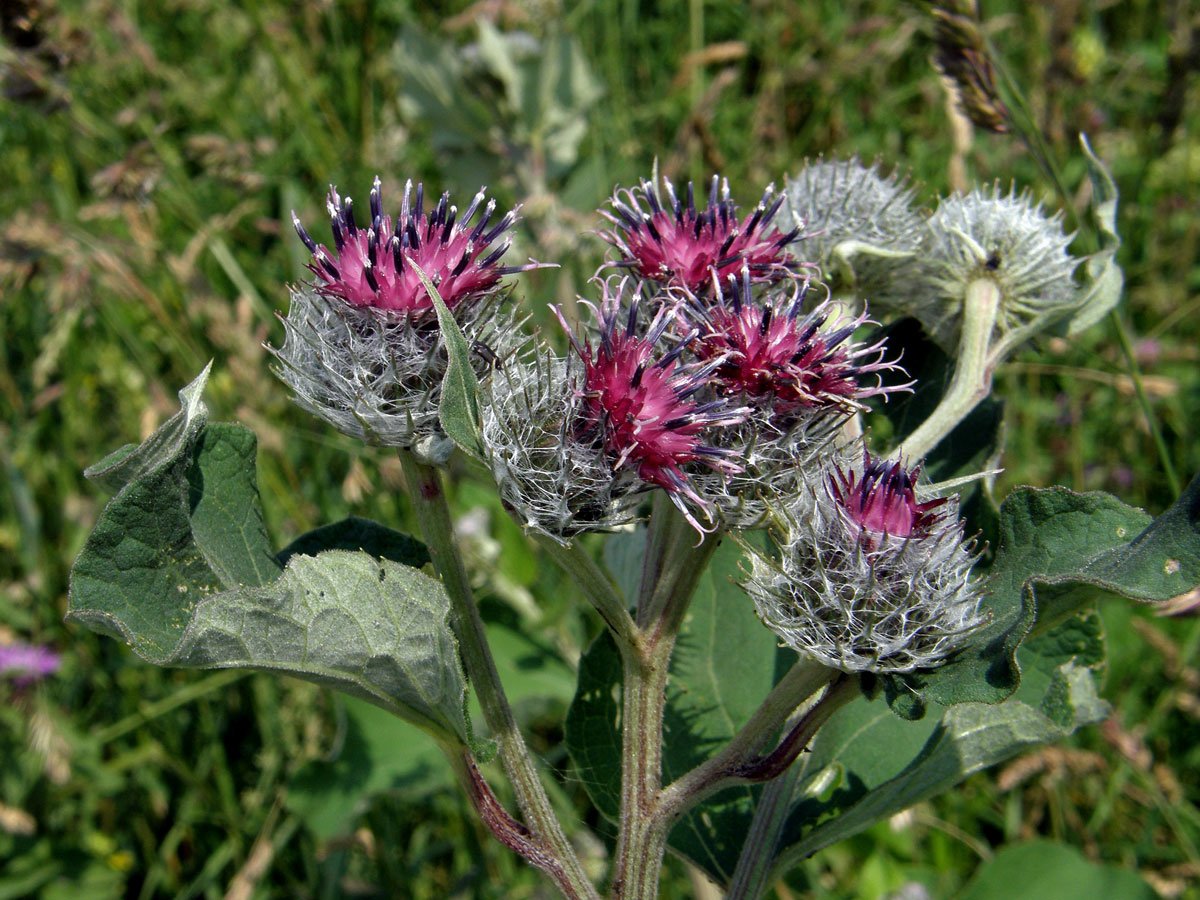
[
  {"x": 1004, "y": 239},
  {"x": 851, "y": 213},
  {"x": 648, "y": 407},
  {"x": 800, "y": 372},
  {"x": 377, "y": 376},
  {"x": 532, "y": 415},
  {"x": 363, "y": 349}
]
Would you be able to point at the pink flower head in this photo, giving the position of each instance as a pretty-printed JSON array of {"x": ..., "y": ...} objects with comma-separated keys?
[
  {"x": 883, "y": 502},
  {"x": 27, "y": 663},
  {"x": 793, "y": 361},
  {"x": 677, "y": 244},
  {"x": 376, "y": 265},
  {"x": 644, "y": 410}
]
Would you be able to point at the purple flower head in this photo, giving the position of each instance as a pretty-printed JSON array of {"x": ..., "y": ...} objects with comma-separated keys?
[
  {"x": 644, "y": 410},
  {"x": 882, "y": 501},
  {"x": 27, "y": 663},
  {"x": 778, "y": 356},
  {"x": 376, "y": 265},
  {"x": 867, "y": 578},
  {"x": 675, "y": 243}
]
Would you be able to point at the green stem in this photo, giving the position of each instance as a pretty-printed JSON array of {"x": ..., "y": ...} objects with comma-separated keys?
[
  {"x": 757, "y": 860},
  {"x": 507, "y": 830},
  {"x": 600, "y": 591},
  {"x": 973, "y": 368},
  {"x": 642, "y": 838},
  {"x": 802, "y": 680},
  {"x": 1135, "y": 373},
  {"x": 433, "y": 513},
  {"x": 672, "y": 568}
]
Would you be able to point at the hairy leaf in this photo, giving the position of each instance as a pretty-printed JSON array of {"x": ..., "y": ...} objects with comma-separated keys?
[
  {"x": 180, "y": 567},
  {"x": 1060, "y": 550},
  {"x": 1044, "y": 870},
  {"x": 372, "y": 628}
]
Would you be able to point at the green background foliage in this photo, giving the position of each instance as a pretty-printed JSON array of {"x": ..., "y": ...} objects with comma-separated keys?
[{"x": 152, "y": 153}]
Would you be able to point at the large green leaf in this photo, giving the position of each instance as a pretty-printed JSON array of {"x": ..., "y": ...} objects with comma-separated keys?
[
  {"x": 225, "y": 510},
  {"x": 372, "y": 628},
  {"x": 376, "y": 752},
  {"x": 1060, "y": 550},
  {"x": 867, "y": 763},
  {"x": 179, "y": 566},
  {"x": 186, "y": 523},
  {"x": 1044, "y": 870}
]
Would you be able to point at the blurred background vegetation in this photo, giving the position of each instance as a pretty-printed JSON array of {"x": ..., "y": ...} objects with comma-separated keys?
[{"x": 151, "y": 155}]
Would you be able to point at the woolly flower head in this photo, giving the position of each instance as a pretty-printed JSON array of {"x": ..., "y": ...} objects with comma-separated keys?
[
  {"x": 532, "y": 413},
  {"x": 869, "y": 579},
  {"x": 377, "y": 376},
  {"x": 1003, "y": 238},
  {"x": 844, "y": 203},
  {"x": 669, "y": 240},
  {"x": 801, "y": 374},
  {"x": 363, "y": 349},
  {"x": 784, "y": 359},
  {"x": 376, "y": 265},
  {"x": 641, "y": 403}
]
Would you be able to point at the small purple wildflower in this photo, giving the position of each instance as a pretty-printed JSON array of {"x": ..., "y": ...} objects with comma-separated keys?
[
  {"x": 27, "y": 663},
  {"x": 375, "y": 265},
  {"x": 644, "y": 410},
  {"x": 675, "y": 243}
]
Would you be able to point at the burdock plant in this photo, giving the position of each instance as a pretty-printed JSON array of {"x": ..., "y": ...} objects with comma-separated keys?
[{"x": 699, "y": 464}]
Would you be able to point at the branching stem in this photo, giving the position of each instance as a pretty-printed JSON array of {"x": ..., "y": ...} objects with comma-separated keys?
[
  {"x": 673, "y": 566},
  {"x": 433, "y": 513},
  {"x": 801, "y": 681}
]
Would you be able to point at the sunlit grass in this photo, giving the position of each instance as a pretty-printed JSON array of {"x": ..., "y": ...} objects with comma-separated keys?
[{"x": 152, "y": 154}]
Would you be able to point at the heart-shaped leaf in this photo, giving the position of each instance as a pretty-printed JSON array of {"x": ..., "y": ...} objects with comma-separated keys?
[
  {"x": 179, "y": 565},
  {"x": 1060, "y": 550}
]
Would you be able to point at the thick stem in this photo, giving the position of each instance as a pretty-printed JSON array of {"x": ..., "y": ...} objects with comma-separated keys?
[
  {"x": 433, "y": 513},
  {"x": 752, "y": 875},
  {"x": 973, "y": 368},
  {"x": 642, "y": 839},
  {"x": 673, "y": 566},
  {"x": 507, "y": 830},
  {"x": 802, "y": 680}
]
